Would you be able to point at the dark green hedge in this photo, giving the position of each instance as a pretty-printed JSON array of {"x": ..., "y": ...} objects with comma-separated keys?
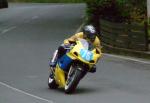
[
  {"x": 115, "y": 11},
  {"x": 49, "y": 1}
]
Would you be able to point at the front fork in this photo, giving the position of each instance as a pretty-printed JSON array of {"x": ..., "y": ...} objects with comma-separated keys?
[
  {"x": 72, "y": 70},
  {"x": 52, "y": 62}
]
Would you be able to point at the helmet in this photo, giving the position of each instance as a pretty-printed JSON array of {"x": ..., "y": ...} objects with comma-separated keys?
[{"x": 89, "y": 32}]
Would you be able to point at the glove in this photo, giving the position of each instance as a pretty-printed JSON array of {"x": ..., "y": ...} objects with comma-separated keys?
[{"x": 67, "y": 45}]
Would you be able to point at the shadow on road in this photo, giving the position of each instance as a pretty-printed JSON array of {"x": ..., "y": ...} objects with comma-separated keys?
[
  {"x": 80, "y": 90},
  {"x": 84, "y": 90}
]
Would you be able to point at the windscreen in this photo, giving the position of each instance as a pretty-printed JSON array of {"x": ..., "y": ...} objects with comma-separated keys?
[
  {"x": 85, "y": 53},
  {"x": 87, "y": 45},
  {"x": 84, "y": 43}
]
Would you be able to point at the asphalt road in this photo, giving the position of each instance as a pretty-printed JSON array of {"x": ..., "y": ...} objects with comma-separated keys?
[{"x": 29, "y": 33}]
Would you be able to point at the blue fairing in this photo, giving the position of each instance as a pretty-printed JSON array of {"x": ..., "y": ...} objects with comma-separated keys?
[{"x": 64, "y": 62}]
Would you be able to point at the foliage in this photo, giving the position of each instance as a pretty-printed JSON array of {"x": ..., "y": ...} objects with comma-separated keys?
[
  {"x": 117, "y": 10},
  {"x": 48, "y": 1}
]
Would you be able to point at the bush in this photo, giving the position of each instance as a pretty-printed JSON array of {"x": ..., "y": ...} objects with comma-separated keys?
[
  {"x": 115, "y": 11},
  {"x": 106, "y": 9},
  {"x": 48, "y": 1}
]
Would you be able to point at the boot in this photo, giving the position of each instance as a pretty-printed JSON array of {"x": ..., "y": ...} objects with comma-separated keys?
[{"x": 93, "y": 69}]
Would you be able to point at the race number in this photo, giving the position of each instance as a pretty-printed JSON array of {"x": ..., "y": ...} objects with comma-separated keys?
[{"x": 86, "y": 55}]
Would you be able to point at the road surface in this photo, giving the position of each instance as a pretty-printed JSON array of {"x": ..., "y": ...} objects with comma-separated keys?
[{"x": 29, "y": 34}]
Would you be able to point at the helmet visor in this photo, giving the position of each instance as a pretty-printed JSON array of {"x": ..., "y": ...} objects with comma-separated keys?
[{"x": 91, "y": 36}]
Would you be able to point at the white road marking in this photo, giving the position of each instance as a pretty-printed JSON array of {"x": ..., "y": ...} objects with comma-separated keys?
[
  {"x": 35, "y": 17},
  {"x": 128, "y": 58},
  {"x": 23, "y": 92},
  {"x": 8, "y": 29}
]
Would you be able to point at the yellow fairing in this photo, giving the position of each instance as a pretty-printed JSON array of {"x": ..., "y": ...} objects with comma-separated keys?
[
  {"x": 59, "y": 76},
  {"x": 74, "y": 54}
]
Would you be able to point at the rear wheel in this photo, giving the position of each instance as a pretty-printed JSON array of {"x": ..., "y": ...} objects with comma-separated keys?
[
  {"x": 51, "y": 81},
  {"x": 74, "y": 77}
]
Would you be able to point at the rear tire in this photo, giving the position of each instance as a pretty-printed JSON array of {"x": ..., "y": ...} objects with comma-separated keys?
[{"x": 51, "y": 81}]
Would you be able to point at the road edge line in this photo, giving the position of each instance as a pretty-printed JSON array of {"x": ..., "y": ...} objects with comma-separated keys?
[
  {"x": 23, "y": 92},
  {"x": 127, "y": 58}
]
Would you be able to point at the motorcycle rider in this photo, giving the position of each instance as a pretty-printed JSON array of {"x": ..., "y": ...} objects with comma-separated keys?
[{"x": 89, "y": 33}]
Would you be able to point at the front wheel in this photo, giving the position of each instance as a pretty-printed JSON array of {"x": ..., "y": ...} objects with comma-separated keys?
[{"x": 73, "y": 80}]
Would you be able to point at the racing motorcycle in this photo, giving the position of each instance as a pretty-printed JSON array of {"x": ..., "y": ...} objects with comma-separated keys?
[{"x": 73, "y": 66}]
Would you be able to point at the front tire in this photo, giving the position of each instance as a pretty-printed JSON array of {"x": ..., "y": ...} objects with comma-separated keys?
[{"x": 73, "y": 80}]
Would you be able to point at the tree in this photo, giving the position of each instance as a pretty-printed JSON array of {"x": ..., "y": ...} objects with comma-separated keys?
[{"x": 116, "y": 10}]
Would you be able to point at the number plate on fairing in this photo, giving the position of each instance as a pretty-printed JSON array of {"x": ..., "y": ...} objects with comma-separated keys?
[{"x": 86, "y": 54}]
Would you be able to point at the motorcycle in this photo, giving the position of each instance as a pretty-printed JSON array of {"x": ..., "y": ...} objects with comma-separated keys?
[{"x": 73, "y": 66}]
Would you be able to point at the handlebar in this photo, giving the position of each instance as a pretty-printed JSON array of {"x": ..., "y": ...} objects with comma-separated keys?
[{"x": 69, "y": 46}]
